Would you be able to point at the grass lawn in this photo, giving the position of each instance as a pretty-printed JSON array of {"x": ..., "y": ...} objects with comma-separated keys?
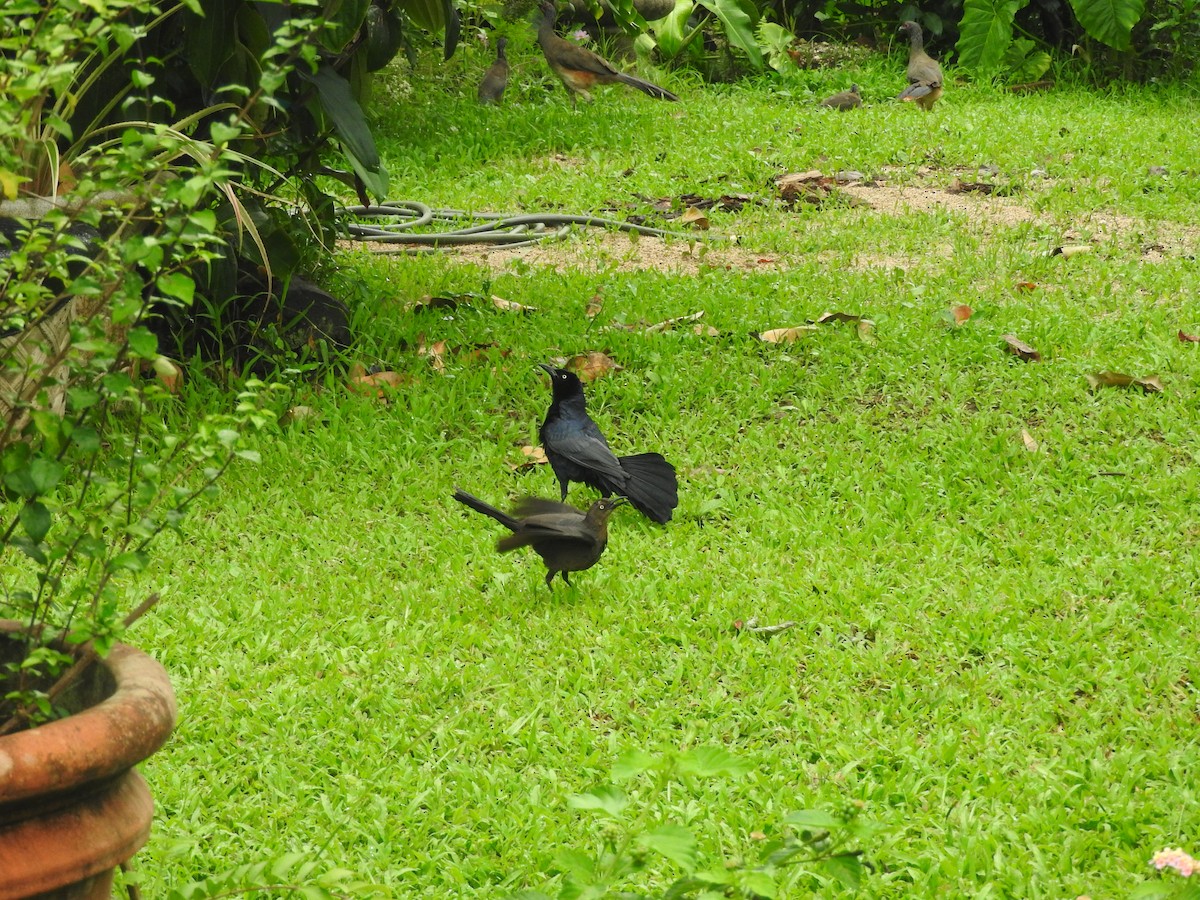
[{"x": 992, "y": 567}]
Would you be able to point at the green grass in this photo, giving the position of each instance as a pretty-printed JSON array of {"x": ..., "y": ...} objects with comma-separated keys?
[{"x": 996, "y": 649}]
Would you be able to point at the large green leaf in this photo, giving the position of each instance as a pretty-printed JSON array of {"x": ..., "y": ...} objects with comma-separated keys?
[
  {"x": 739, "y": 19},
  {"x": 340, "y": 108},
  {"x": 206, "y": 39},
  {"x": 1109, "y": 21},
  {"x": 671, "y": 31},
  {"x": 985, "y": 32}
]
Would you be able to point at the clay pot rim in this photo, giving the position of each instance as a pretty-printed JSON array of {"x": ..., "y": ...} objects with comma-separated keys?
[{"x": 98, "y": 742}]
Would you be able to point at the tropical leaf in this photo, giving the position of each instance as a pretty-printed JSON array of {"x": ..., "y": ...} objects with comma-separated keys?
[
  {"x": 1024, "y": 63},
  {"x": 985, "y": 32},
  {"x": 1109, "y": 21},
  {"x": 739, "y": 19}
]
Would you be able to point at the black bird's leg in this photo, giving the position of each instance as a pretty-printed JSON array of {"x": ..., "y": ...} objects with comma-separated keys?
[{"x": 566, "y": 579}]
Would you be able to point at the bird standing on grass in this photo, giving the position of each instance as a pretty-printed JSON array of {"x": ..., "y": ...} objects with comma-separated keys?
[
  {"x": 567, "y": 539},
  {"x": 495, "y": 79},
  {"x": 924, "y": 74},
  {"x": 577, "y": 451},
  {"x": 844, "y": 100},
  {"x": 579, "y": 68}
]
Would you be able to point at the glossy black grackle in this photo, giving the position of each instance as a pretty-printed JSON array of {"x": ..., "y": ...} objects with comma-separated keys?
[
  {"x": 577, "y": 451},
  {"x": 567, "y": 539}
]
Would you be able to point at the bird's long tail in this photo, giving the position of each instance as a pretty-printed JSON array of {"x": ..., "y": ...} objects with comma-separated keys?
[
  {"x": 487, "y": 509},
  {"x": 651, "y": 486},
  {"x": 647, "y": 88}
]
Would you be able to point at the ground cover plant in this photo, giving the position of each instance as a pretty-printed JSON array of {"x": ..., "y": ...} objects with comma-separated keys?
[{"x": 990, "y": 563}]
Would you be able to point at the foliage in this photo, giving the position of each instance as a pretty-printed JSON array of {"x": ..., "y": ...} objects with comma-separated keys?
[
  {"x": 94, "y": 465},
  {"x": 986, "y": 37},
  {"x": 694, "y": 26},
  {"x": 815, "y": 842}
]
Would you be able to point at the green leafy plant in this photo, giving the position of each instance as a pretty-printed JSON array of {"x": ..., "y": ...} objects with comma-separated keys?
[
  {"x": 812, "y": 843},
  {"x": 94, "y": 461},
  {"x": 735, "y": 20},
  {"x": 986, "y": 32}
]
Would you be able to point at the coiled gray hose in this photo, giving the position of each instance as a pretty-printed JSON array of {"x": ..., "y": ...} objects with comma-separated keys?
[{"x": 502, "y": 229}]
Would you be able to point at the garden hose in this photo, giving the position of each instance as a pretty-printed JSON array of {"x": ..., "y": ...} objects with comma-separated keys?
[{"x": 501, "y": 229}]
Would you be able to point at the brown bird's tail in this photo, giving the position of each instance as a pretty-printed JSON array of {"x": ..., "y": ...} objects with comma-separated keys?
[
  {"x": 646, "y": 87},
  {"x": 487, "y": 509},
  {"x": 652, "y": 487}
]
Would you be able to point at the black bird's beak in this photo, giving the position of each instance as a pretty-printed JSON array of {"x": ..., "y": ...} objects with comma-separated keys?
[
  {"x": 620, "y": 501},
  {"x": 547, "y": 368}
]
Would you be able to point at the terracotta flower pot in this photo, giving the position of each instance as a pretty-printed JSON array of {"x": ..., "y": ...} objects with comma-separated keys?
[{"x": 72, "y": 808}]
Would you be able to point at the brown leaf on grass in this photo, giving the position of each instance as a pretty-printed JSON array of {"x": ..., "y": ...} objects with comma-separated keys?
[
  {"x": 534, "y": 456},
  {"x": 595, "y": 305},
  {"x": 511, "y": 306},
  {"x": 705, "y": 330},
  {"x": 379, "y": 384},
  {"x": 1188, "y": 338},
  {"x": 297, "y": 414},
  {"x": 959, "y": 314},
  {"x": 866, "y": 331},
  {"x": 668, "y": 324},
  {"x": 1027, "y": 286},
  {"x": 1066, "y": 251},
  {"x": 1019, "y": 348},
  {"x": 1149, "y": 384},
  {"x": 787, "y": 335},
  {"x": 592, "y": 365},
  {"x": 1027, "y": 439},
  {"x": 958, "y": 186},
  {"x": 831, "y": 317},
  {"x": 429, "y": 302},
  {"x": 693, "y": 216},
  {"x": 436, "y": 353},
  {"x": 356, "y": 370}
]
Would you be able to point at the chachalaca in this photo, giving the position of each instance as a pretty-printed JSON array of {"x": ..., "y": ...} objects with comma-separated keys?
[
  {"x": 579, "y": 68},
  {"x": 495, "y": 79},
  {"x": 577, "y": 451},
  {"x": 844, "y": 100},
  {"x": 924, "y": 74},
  {"x": 567, "y": 539}
]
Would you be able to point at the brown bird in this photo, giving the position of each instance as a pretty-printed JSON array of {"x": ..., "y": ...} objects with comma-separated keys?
[
  {"x": 495, "y": 79},
  {"x": 844, "y": 100},
  {"x": 924, "y": 74},
  {"x": 579, "y": 68},
  {"x": 567, "y": 539}
]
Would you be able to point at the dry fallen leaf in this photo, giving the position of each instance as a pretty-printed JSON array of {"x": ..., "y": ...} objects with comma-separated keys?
[
  {"x": 1030, "y": 444},
  {"x": 1019, "y": 348},
  {"x": 866, "y": 331},
  {"x": 534, "y": 456},
  {"x": 1027, "y": 285},
  {"x": 436, "y": 353},
  {"x": 297, "y": 414},
  {"x": 379, "y": 384},
  {"x": 1188, "y": 338},
  {"x": 693, "y": 216},
  {"x": 511, "y": 306},
  {"x": 959, "y": 314},
  {"x": 787, "y": 335},
  {"x": 668, "y": 324},
  {"x": 705, "y": 330},
  {"x": 830, "y": 317},
  {"x": 592, "y": 365},
  {"x": 1149, "y": 384},
  {"x": 594, "y": 306},
  {"x": 1066, "y": 251},
  {"x": 428, "y": 302}
]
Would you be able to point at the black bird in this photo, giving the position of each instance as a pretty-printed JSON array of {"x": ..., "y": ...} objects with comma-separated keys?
[
  {"x": 567, "y": 539},
  {"x": 577, "y": 451}
]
